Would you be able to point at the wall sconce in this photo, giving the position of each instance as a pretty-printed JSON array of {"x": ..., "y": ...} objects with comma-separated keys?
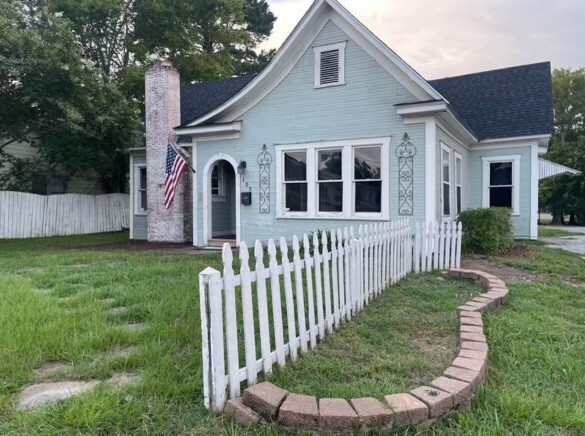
[{"x": 242, "y": 167}]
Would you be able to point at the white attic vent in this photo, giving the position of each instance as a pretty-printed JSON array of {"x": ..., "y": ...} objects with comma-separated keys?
[{"x": 330, "y": 65}]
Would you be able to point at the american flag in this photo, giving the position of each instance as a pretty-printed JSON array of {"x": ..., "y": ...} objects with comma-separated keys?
[{"x": 176, "y": 164}]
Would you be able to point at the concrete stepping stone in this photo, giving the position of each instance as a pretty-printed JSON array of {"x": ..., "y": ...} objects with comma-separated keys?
[
  {"x": 118, "y": 310},
  {"x": 42, "y": 394},
  {"x": 49, "y": 369},
  {"x": 108, "y": 301},
  {"x": 119, "y": 353},
  {"x": 123, "y": 379},
  {"x": 44, "y": 291},
  {"x": 136, "y": 326}
]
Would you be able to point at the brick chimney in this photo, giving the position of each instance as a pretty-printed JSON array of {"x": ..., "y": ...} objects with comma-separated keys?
[{"x": 163, "y": 112}]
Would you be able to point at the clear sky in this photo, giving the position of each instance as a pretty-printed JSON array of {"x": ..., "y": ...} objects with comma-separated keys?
[{"x": 441, "y": 38}]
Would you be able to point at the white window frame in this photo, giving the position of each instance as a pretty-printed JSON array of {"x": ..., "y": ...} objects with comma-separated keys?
[
  {"x": 347, "y": 147},
  {"x": 515, "y": 160},
  {"x": 220, "y": 196},
  {"x": 458, "y": 182},
  {"x": 137, "y": 197},
  {"x": 446, "y": 148},
  {"x": 340, "y": 46}
]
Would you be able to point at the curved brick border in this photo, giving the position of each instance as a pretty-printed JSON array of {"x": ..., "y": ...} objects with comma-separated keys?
[{"x": 453, "y": 390}]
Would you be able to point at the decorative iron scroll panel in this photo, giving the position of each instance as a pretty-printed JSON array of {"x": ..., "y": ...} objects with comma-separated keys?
[
  {"x": 264, "y": 162},
  {"x": 405, "y": 153}
]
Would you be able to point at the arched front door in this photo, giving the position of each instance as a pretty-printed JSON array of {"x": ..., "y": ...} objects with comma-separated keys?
[{"x": 221, "y": 194}]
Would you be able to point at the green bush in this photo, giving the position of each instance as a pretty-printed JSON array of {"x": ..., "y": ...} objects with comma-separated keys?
[{"x": 487, "y": 231}]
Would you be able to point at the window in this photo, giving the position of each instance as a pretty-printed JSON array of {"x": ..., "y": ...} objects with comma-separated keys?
[
  {"x": 330, "y": 65},
  {"x": 329, "y": 179},
  {"x": 295, "y": 181},
  {"x": 140, "y": 203},
  {"x": 501, "y": 180},
  {"x": 367, "y": 179},
  {"x": 458, "y": 181},
  {"x": 446, "y": 178},
  {"x": 218, "y": 182},
  {"x": 337, "y": 179}
]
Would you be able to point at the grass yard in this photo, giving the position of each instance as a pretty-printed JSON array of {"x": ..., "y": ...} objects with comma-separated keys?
[
  {"x": 55, "y": 300},
  {"x": 547, "y": 232}
]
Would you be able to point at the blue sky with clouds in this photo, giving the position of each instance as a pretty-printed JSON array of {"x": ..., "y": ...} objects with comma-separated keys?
[{"x": 441, "y": 38}]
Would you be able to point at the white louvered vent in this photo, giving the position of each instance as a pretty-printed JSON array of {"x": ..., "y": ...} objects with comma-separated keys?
[
  {"x": 329, "y": 73},
  {"x": 330, "y": 65}
]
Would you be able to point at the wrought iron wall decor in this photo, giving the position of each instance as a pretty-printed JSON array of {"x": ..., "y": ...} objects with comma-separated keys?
[
  {"x": 405, "y": 153},
  {"x": 264, "y": 162}
]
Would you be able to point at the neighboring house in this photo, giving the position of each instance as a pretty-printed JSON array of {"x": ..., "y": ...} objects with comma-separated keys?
[
  {"x": 338, "y": 130},
  {"x": 45, "y": 182}
]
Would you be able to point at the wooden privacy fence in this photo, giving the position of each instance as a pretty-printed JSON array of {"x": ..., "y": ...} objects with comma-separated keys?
[
  {"x": 290, "y": 302},
  {"x": 24, "y": 215}
]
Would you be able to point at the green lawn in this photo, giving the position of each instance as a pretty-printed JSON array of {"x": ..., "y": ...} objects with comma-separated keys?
[
  {"x": 55, "y": 296},
  {"x": 547, "y": 232}
]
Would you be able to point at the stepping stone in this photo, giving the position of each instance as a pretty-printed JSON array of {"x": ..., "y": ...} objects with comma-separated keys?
[
  {"x": 42, "y": 394},
  {"x": 51, "y": 368},
  {"x": 108, "y": 301},
  {"x": 80, "y": 265},
  {"x": 119, "y": 353},
  {"x": 44, "y": 291},
  {"x": 118, "y": 310},
  {"x": 136, "y": 326},
  {"x": 123, "y": 379}
]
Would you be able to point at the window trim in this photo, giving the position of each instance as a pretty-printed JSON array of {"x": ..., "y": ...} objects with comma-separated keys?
[
  {"x": 136, "y": 188},
  {"x": 341, "y": 46},
  {"x": 458, "y": 182},
  {"x": 515, "y": 161},
  {"x": 445, "y": 147},
  {"x": 347, "y": 179}
]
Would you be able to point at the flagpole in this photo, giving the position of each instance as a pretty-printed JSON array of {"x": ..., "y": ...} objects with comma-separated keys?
[{"x": 176, "y": 148}]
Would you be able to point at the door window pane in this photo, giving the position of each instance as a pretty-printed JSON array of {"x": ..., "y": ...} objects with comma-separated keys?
[
  {"x": 367, "y": 163},
  {"x": 368, "y": 197},
  {"x": 331, "y": 197}
]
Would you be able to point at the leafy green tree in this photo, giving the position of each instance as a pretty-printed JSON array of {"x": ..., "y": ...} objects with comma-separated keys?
[
  {"x": 566, "y": 195},
  {"x": 53, "y": 99}
]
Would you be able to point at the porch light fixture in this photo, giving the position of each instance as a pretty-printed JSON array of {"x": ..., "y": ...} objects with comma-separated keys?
[{"x": 242, "y": 167}]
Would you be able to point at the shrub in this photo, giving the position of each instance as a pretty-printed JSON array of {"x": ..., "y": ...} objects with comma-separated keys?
[{"x": 487, "y": 231}]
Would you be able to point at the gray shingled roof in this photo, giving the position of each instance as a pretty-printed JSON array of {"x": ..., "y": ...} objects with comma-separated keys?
[
  {"x": 504, "y": 103},
  {"x": 201, "y": 98}
]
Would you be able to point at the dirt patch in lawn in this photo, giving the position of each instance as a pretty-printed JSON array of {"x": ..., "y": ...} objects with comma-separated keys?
[{"x": 506, "y": 273}]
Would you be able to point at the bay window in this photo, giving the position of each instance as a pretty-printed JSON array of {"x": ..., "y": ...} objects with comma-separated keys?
[
  {"x": 446, "y": 179},
  {"x": 458, "y": 182}
]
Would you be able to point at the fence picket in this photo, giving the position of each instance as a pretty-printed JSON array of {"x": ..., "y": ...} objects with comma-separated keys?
[
  {"x": 276, "y": 304},
  {"x": 263, "y": 321},
  {"x": 334, "y": 279},
  {"x": 248, "y": 315},
  {"x": 459, "y": 242},
  {"x": 290, "y": 304},
  {"x": 310, "y": 294},
  {"x": 447, "y": 244},
  {"x": 300, "y": 295},
  {"x": 231, "y": 323},
  {"x": 348, "y": 286},
  {"x": 318, "y": 286},
  {"x": 341, "y": 275},
  {"x": 327, "y": 282}
]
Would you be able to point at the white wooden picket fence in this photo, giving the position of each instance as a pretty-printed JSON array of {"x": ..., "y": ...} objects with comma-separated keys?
[
  {"x": 292, "y": 304},
  {"x": 24, "y": 215}
]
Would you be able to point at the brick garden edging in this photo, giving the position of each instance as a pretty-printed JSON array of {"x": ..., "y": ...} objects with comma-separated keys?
[{"x": 453, "y": 390}]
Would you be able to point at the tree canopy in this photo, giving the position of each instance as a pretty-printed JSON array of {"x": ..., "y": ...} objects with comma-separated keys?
[
  {"x": 565, "y": 195},
  {"x": 72, "y": 72}
]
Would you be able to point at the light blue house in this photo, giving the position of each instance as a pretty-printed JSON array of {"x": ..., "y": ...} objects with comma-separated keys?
[{"x": 338, "y": 130}]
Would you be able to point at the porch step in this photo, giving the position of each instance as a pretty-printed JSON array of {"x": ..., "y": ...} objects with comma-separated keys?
[{"x": 217, "y": 242}]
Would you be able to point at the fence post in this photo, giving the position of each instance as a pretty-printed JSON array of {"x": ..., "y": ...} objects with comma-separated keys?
[{"x": 212, "y": 339}]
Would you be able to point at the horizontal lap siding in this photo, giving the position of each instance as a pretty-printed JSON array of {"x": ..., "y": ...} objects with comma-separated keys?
[
  {"x": 522, "y": 221},
  {"x": 295, "y": 112}
]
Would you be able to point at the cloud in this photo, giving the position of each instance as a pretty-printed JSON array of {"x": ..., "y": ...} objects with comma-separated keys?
[{"x": 452, "y": 37}]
